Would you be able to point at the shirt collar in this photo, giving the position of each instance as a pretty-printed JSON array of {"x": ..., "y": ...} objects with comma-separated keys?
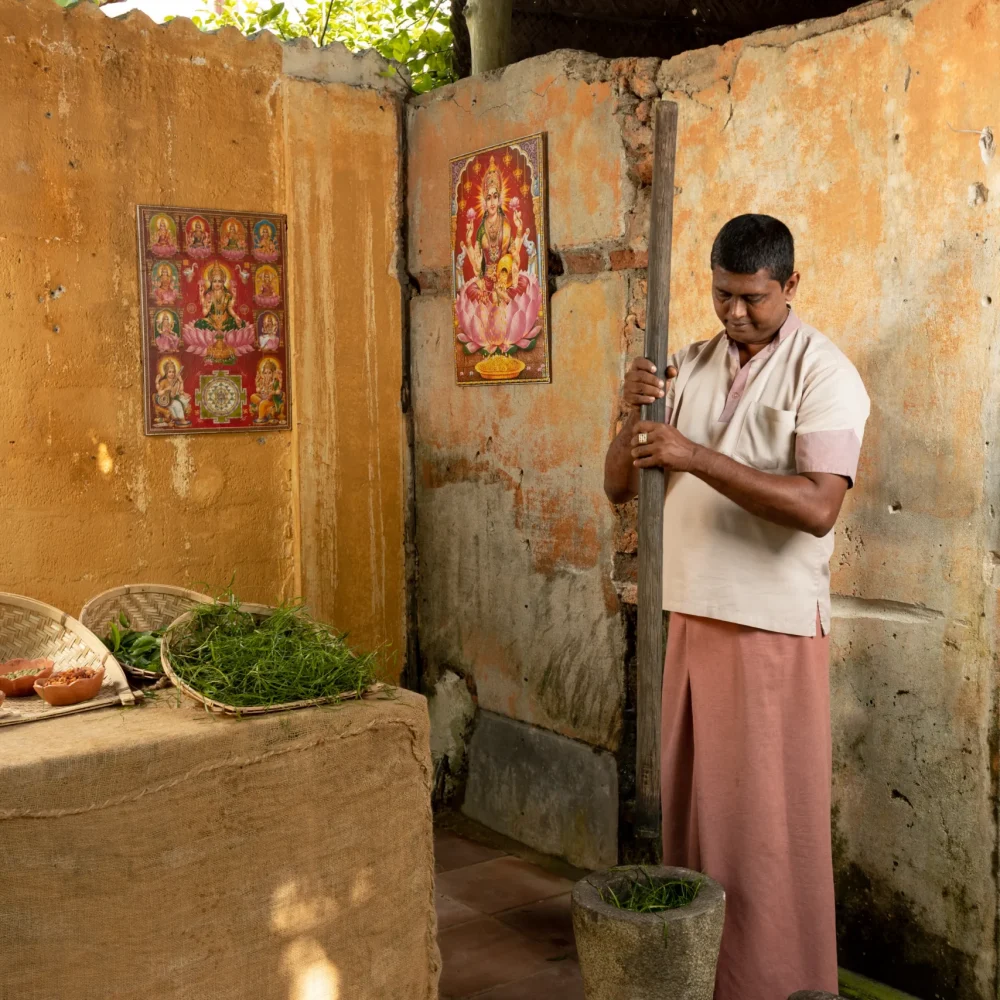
[{"x": 790, "y": 326}]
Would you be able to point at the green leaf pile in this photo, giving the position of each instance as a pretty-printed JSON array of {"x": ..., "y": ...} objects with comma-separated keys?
[
  {"x": 134, "y": 648},
  {"x": 244, "y": 660}
]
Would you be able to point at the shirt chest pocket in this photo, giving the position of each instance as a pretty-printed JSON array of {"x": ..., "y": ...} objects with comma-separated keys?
[{"x": 767, "y": 439}]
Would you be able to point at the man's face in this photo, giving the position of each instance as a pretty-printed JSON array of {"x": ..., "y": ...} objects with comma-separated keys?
[{"x": 752, "y": 306}]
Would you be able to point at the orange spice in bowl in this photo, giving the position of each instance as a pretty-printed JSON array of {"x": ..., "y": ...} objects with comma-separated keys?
[{"x": 70, "y": 687}]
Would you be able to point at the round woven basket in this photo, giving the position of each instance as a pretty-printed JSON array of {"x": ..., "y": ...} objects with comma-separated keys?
[
  {"x": 148, "y": 607},
  {"x": 34, "y": 630},
  {"x": 262, "y": 610}
]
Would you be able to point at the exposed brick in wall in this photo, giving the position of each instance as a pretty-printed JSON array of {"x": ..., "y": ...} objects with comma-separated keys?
[
  {"x": 636, "y": 90},
  {"x": 635, "y": 87}
]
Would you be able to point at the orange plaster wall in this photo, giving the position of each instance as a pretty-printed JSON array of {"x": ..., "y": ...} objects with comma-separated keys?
[
  {"x": 99, "y": 114},
  {"x": 514, "y": 535},
  {"x": 342, "y": 172}
]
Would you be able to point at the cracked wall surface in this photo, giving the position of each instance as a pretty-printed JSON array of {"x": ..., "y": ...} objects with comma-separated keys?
[
  {"x": 100, "y": 114},
  {"x": 841, "y": 127},
  {"x": 513, "y": 533},
  {"x": 900, "y": 270}
]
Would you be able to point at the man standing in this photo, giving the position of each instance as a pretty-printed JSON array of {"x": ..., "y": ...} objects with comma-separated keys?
[{"x": 760, "y": 444}]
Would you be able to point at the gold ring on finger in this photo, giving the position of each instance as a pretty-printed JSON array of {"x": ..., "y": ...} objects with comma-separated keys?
[{"x": 643, "y": 438}]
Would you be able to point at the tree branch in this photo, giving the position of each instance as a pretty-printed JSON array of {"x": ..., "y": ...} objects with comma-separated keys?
[{"x": 326, "y": 23}]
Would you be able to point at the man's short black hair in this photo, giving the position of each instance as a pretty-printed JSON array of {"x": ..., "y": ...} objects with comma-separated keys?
[{"x": 749, "y": 243}]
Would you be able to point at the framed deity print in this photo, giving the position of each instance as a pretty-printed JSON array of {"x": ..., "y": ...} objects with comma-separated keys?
[
  {"x": 214, "y": 320},
  {"x": 499, "y": 250}
]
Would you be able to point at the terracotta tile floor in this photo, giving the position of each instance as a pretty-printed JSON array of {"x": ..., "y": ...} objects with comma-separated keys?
[{"x": 504, "y": 926}]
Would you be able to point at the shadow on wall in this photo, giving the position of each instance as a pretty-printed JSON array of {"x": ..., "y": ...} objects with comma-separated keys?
[{"x": 877, "y": 925}]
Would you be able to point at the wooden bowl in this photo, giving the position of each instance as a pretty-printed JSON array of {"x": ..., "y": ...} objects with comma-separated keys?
[
  {"x": 19, "y": 686},
  {"x": 82, "y": 689}
]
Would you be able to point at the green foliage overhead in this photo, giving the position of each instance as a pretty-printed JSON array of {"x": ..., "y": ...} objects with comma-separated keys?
[{"x": 416, "y": 35}]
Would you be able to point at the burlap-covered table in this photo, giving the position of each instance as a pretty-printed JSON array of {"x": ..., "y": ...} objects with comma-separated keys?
[{"x": 156, "y": 853}]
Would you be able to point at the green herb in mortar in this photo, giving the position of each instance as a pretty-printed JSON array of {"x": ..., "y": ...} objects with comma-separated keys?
[
  {"x": 245, "y": 660},
  {"x": 647, "y": 894},
  {"x": 134, "y": 648},
  {"x": 644, "y": 893}
]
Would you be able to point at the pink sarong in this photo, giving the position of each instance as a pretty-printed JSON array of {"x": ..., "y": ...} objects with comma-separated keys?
[{"x": 746, "y": 774}]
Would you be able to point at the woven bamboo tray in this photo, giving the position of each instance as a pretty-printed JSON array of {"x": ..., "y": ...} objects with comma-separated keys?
[
  {"x": 222, "y": 709},
  {"x": 149, "y": 606},
  {"x": 32, "y": 629}
]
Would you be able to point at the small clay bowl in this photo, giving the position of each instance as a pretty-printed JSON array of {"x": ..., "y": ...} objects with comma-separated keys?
[
  {"x": 58, "y": 695},
  {"x": 20, "y": 686}
]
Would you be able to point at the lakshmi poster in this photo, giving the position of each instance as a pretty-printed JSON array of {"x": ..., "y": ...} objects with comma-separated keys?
[
  {"x": 215, "y": 333},
  {"x": 498, "y": 215}
]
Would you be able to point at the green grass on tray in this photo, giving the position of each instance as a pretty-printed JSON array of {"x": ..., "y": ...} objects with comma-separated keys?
[{"x": 245, "y": 660}]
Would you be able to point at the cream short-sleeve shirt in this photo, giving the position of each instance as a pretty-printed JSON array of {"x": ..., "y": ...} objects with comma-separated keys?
[{"x": 797, "y": 406}]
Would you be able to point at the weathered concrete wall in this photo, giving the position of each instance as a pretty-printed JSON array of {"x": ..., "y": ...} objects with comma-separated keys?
[
  {"x": 541, "y": 789},
  {"x": 843, "y": 131},
  {"x": 841, "y": 128},
  {"x": 513, "y": 531},
  {"x": 98, "y": 114},
  {"x": 514, "y": 536}
]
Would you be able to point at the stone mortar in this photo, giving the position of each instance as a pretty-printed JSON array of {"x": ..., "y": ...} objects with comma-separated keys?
[{"x": 634, "y": 956}]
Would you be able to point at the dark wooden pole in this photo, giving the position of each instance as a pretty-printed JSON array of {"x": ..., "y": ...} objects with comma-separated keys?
[{"x": 651, "y": 486}]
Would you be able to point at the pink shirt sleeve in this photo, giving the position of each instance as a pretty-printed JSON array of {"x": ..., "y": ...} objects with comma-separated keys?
[{"x": 831, "y": 419}]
